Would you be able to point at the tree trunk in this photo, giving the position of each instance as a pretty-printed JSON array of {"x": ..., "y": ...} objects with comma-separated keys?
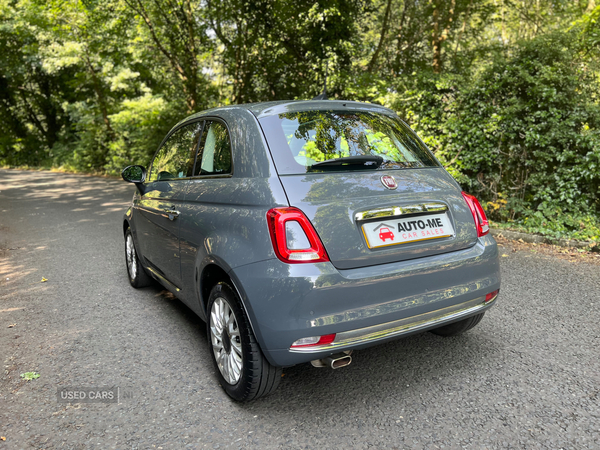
[
  {"x": 48, "y": 108},
  {"x": 188, "y": 81},
  {"x": 591, "y": 6},
  {"x": 436, "y": 40},
  {"x": 439, "y": 37},
  {"x": 384, "y": 29},
  {"x": 399, "y": 36},
  {"x": 100, "y": 96}
]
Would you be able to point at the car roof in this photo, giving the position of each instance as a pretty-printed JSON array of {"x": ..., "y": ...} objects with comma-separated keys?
[
  {"x": 265, "y": 109},
  {"x": 261, "y": 110}
]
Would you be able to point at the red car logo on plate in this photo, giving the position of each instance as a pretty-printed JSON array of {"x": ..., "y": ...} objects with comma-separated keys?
[
  {"x": 389, "y": 181},
  {"x": 386, "y": 233}
]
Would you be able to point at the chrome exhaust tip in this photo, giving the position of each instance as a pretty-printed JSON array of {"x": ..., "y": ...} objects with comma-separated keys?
[{"x": 336, "y": 361}]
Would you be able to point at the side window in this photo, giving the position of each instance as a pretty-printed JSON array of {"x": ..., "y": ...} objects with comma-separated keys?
[
  {"x": 175, "y": 158},
  {"x": 214, "y": 153}
]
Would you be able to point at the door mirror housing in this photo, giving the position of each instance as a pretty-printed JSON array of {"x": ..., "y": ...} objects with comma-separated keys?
[{"x": 135, "y": 174}]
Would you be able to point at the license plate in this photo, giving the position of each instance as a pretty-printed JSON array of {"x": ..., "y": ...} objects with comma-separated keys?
[{"x": 407, "y": 229}]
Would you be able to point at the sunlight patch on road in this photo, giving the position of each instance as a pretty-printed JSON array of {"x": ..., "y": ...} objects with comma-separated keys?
[{"x": 10, "y": 309}]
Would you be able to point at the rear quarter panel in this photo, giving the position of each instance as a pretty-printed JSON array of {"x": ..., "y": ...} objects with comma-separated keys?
[{"x": 224, "y": 218}]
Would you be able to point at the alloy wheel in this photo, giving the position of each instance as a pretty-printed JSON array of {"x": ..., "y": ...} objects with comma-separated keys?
[
  {"x": 131, "y": 258},
  {"x": 226, "y": 340}
]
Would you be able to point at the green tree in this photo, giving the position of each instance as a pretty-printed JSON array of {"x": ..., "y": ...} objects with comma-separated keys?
[
  {"x": 524, "y": 134},
  {"x": 178, "y": 31},
  {"x": 30, "y": 97},
  {"x": 281, "y": 50}
]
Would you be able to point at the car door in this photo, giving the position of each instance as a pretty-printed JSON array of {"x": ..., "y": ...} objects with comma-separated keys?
[
  {"x": 208, "y": 202},
  {"x": 160, "y": 206}
]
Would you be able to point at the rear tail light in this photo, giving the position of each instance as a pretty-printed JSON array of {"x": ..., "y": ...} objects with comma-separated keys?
[
  {"x": 491, "y": 296},
  {"x": 314, "y": 340},
  {"x": 294, "y": 239},
  {"x": 481, "y": 222}
]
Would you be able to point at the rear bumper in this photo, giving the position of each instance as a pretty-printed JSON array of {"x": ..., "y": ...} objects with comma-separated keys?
[
  {"x": 376, "y": 333},
  {"x": 364, "y": 306}
]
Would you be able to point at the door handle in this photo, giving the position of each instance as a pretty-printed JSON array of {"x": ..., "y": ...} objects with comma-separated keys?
[{"x": 172, "y": 213}]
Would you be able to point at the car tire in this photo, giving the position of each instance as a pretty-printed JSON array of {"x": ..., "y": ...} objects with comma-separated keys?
[
  {"x": 456, "y": 328},
  {"x": 242, "y": 370},
  {"x": 135, "y": 271}
]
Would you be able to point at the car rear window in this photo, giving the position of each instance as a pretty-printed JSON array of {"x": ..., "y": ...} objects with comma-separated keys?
[{"x": 298, "y": 140}]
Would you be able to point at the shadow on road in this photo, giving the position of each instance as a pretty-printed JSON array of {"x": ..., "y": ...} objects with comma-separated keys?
[
  {"x": 400, "y": 369},
  {"x": 83, "y": 194}
]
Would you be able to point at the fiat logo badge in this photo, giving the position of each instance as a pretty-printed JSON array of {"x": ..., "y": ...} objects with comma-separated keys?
[{"x": 389, "y": 182}]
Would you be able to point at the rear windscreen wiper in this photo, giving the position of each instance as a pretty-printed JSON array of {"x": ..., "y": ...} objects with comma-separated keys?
[{"x": 362, "y": 162}]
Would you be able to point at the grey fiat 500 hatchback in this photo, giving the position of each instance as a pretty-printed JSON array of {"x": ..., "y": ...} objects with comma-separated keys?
[{"x": 301, "y": 231}]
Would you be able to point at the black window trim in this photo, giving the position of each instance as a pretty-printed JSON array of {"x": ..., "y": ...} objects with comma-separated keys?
[
  {"x": 210, "y": 176},
  {"x": 166, "y": 138},
  {"x": 197, "y": 148}
]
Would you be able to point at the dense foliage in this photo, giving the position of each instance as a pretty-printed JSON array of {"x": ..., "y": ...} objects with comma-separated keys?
[
  {"x": 507, "y": 94},
  {"x": 524, "y": 134}
]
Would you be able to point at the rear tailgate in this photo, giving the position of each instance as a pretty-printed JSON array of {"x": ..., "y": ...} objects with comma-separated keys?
[{"x": 362, "y": 223}]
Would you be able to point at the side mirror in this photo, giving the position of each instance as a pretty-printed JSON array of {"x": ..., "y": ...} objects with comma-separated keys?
[{"x": 136, "y": 175}]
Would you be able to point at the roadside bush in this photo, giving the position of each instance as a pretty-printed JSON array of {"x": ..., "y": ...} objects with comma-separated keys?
[
  {"x": 523, "y": 135},
  {"x": 140, "y": 126}
]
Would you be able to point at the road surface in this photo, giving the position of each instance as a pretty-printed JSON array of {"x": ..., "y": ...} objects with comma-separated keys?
[{"x": 527, "y": 377}]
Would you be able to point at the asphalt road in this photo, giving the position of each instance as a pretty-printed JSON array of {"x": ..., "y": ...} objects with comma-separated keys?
[{"x": 527, "y": 377}]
